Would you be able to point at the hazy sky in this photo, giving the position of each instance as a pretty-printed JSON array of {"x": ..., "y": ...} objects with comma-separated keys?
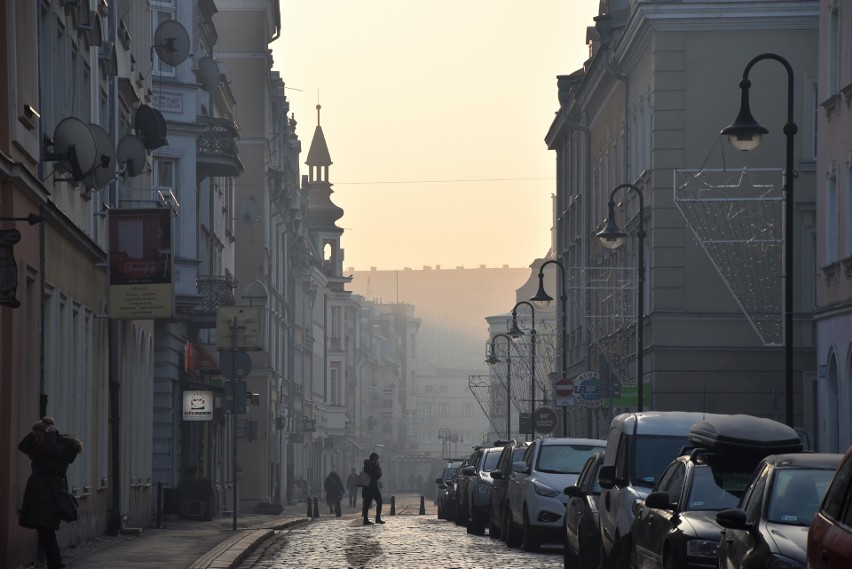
[{"x": 435, "y": 115}]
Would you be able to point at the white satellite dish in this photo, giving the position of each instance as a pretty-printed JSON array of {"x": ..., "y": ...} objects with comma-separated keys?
[
  {"x": 74, "y": 147},
  {"x": 105, "y": 165},
  {"x": 131, "y": 155},
  {"x": 248, "y": 211},
  {"x": 208, "y": 73},
  {"x": 171, "y": 42}
]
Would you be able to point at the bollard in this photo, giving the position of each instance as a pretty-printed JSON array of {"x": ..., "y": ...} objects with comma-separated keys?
[
  {"x": 393, "y": 506},
  {"x": 310, "y": 513},
  {"x": 422, "y": 506},
  {"x": 316, "y": 507},
  {"x": 159, "y": 505}
]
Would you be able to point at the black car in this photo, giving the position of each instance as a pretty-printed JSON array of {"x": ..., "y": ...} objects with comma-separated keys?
[
  {"x": 582, "y": 526},
  {"x": 676, "y": 526},
  {"x": 770, "y": 526},
  {"x": 447, "y": 474},
  {"x": 512, "y": 452},
  {"x": 464, "y": 481},
  {"x": 478, "y": 487},
  {"x": 447, "y": 495}
]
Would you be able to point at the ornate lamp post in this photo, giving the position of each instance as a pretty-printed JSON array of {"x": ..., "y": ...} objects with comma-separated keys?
[
  {"x": 516, "y": 333},
  {"x": 745, "y": 134},
  {"x": 493, "y": 360},
  {"x": 612, "y": 237},
  {"x": 542, "y": 300}
]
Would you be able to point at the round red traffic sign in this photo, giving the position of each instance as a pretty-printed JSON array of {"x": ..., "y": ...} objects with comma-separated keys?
[{"x": 564, "y": 387}]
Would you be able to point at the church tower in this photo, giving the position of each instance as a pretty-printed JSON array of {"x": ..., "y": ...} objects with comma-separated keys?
[{"x": 322, "y": 212}]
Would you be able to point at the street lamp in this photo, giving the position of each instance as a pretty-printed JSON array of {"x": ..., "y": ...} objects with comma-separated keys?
[
  {"x": 612, "y": 237},
  {"x": 542, "y": 300},
  {"x": 745, "y": 134},
  {"x": 516, "y": 333},
  {"x": 492, "y": 360}
]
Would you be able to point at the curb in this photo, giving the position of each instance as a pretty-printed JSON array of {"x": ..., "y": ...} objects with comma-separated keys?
[{"x": 231, "y": 552}]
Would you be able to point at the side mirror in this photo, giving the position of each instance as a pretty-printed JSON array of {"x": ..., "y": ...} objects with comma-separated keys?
[
  {"x": 469, "y": 470},
  {"x": 606, "y": 477},
  {"x": 439, "y": 481},
  {"x": 497, "y": 474},
  {"x": 659, "y": 501},
  {"x": 442, "y": 486},
  {"x": 732, "y": 518},
  {"x": 573, "y": 492}
]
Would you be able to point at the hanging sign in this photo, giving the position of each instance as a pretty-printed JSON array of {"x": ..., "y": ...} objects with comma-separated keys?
[
  {"x": 197, "y": 405},
  {"x": 587, "y": 390}
]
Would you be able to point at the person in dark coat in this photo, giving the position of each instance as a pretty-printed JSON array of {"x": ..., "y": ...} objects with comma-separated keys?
[
  {"x": 334, "y": 491},
  {"x": 50, "y": 453},
  {"x": 352, "y": 487},
  {"x": 372, "y": 492}
]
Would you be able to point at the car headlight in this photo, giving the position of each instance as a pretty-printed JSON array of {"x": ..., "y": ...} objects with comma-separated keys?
[
  {"x": 702, "y": 548},
  {"x": 543, "y": 489},
  {"x": 781, "y": 562}
]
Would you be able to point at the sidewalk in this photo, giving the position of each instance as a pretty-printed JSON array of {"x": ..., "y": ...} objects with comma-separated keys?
[
  {"x": 184, "y": 544},
  {"x": 188, "y": 544}
]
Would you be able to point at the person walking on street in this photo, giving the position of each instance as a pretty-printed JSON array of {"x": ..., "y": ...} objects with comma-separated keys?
[
  {"x": 50, "y": 453},
  {"x": 352, "y": 488},
  {"x": 333, "y": 492},
  {"x": 371, "y": 491}
]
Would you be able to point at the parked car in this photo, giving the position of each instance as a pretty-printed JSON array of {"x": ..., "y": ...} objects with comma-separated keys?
[
  {"x": 478, "y": 488},
  {"x": 582, "y": 529},
  {"x": 676, "y": 526},
  {"x": 536, "y": 503},
  {"x": 511, "y": 453},
  {"x": 638, "y": 448},
  {"x": 447, "y": 473},
  {"x": 830, "y": 535},
  {"x": 462, "y": 487},
  {"x": 447, "y": 495},
  {"x": 769, "y": 528}
]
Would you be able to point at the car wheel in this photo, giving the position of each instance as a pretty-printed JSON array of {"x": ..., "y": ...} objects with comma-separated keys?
[
  {"x": 475, "y": 525},
  {"x": 569, "y": 558},
  {"x": 440, "y": 514},
  {"x": 668, "y": 559},
  {"x": 510, "y": 534},
  {"x": 530, "y": 541},
  {"x": 493, "y": 529}
]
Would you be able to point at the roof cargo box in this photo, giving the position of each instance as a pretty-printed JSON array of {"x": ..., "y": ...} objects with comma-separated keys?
[{"x": 744, "y": 434}]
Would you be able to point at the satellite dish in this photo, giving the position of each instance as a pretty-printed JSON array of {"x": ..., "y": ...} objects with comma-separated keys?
[
  {"x": 131, "y": 155},
  {"x": 171, "y": 42},
  {"x": 150, "y": 127},
  {"x": 74, "y": 147},
  {"x": 208, "y": 73},
  {"x": 248, "y": 211},
  {"x": 105, "y": 164}
]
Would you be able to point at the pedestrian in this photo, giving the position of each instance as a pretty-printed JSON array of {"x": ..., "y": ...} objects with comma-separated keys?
[
  {"x": 333, "y": 492},
  {"x": 371, "y": 491},
  {"x": 352, "y": 488},
  {"x": 50, "y": 453}
]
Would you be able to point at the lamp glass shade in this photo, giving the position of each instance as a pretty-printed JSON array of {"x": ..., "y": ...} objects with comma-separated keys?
[
  {"x": 611, "y": 235},
  {"x": 541, "y": 298},
  {"x": 745, "y": 132},
  {"x": 515, "y": 332}
]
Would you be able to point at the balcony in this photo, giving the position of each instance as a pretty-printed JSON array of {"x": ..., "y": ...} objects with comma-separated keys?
[
  {"x": 216, "y": 147},
  {"x": 214, "y": 291}
]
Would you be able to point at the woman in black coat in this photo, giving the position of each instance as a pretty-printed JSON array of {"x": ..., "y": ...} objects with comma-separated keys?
[
  {"x": 372, "y": 492},
  {"x": 50, "y": 453},
  {"x": 333, "y": 492}
]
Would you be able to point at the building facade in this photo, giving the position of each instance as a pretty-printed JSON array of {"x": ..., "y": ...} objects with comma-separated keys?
[{"x": 646, "y": 110}]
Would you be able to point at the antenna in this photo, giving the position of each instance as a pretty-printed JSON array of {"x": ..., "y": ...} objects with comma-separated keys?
[
  {"x": 74, "y": 147},
  {"x": 131, "y": 155},
  {"x": 150, "y": 126},
  {"x": 104, "y": 170},
  {"x": 171, "y": 42},
  {"x": 208, "y": 73}
]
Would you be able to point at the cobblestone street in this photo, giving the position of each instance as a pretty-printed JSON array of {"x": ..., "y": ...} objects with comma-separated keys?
[{"x": 405, "y": 541}]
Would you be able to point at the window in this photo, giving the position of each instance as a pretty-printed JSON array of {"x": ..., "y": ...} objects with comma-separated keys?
[
  {"x": 467, "y": 409},
  {"x": 831, "y": 216},
  {"x": 833, "y": 64},
  {"x": 837, "y": 496}
]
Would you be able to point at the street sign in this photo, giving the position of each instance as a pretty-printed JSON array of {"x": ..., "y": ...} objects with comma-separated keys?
[
  {"x": 564, "y": 389},
  {"x": 524, "y": 426},
  {"x": 587, "y": 389},
  {"x": 545, "y": 420},
  {"x": 234, "y": 364}
]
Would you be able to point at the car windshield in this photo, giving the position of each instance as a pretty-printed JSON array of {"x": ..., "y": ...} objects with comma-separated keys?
[
  {"x": 796, "y": 494},
  {"x": 717, "y": 487},
  {"x": 653, "y": 453},
  {"x": 451, "y": 470},
  {"x": 491, "y": 461},
  {"x": 564, "y": 459}
]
